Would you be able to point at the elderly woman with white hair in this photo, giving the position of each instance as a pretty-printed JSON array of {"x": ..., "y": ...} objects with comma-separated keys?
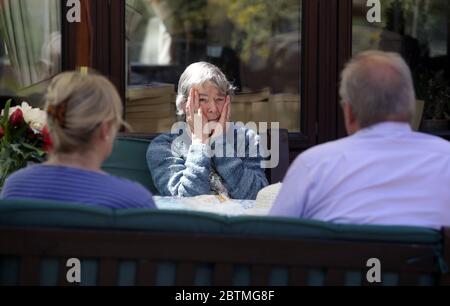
[{"x": 188, "y": 162}]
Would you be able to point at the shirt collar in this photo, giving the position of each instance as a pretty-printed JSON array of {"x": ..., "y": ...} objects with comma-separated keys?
[{"x": 386, "y": 128}]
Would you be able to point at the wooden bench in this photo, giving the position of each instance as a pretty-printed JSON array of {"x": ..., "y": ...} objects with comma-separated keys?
[{"x": 158, "y": 248}]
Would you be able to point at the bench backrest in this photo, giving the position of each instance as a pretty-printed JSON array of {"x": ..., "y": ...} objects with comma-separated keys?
[
  {"x": 145, "y": 247},
  {"x": 128, "y": 160}
]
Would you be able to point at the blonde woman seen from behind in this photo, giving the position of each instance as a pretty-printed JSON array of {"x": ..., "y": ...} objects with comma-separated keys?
[{"x": 84, "y": 116}]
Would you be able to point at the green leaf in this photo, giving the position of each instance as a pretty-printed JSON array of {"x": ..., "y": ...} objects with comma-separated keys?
[
  {"x": 6, "y": 113},
  {"x": 31, "y": 147},
  {"x": 16, "y": 149}
]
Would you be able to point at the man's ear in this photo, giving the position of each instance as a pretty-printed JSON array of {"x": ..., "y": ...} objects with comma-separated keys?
[
  {"x": 351, "y": 123},
  {"x": 348, "y": 113}
]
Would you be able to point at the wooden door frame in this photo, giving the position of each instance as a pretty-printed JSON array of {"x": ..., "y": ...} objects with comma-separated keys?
[{"x": 97, "y": 41}]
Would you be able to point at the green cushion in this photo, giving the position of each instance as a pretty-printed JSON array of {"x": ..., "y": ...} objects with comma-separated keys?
[
  {"x": 197, "y": 222},
  {"x": 52, "y": 214},
  {"x": 312, "y": 229},
  {"x": 71, "y": 215},
  {"x": 128, "y": 160},
  {"x": 175, "y": 221}
]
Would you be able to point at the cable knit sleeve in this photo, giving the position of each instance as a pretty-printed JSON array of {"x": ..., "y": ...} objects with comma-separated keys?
[
  {"x": 243, "y": 176},
  {"x": 175, "y": 175}
]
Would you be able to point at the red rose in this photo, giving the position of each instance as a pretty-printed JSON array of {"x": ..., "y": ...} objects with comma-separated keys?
[
  {"x": 47, "y": 139},
  {"x": 2, "y": 133},
  {"x": 16, "y": 119}
]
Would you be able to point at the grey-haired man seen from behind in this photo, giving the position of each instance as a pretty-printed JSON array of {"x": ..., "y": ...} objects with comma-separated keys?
[{"x": 383, "y": 173}]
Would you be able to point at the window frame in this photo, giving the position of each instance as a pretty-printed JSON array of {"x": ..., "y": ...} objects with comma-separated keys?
[
  {"x": 347, "y": 35},
  {"x": 326, "y": 42}
]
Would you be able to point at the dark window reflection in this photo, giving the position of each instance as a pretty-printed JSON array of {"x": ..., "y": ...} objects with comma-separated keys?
[
  {"x": 256, "y": 43},
  {"x": 419, "y": 31}
]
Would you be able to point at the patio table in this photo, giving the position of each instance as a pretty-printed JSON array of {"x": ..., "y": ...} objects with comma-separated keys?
[{"x": 213, "y": 204}]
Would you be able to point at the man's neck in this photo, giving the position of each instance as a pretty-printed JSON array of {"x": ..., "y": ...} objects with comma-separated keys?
[{"x": 357, "y": 128}]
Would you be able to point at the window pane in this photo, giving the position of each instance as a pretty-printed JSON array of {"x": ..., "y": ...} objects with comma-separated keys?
[
  {"x": 256, "y": 43},
  {"x": 30, "y": 47},
  {"x": 419, "y": 30}
]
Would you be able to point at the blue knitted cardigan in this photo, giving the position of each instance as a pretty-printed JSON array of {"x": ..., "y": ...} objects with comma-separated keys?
[{"x": 180, "y": 168}]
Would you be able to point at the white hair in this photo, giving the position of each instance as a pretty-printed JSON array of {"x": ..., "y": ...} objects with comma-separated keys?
[
  {"x": 378, "y": 86},
  {"x": 198, "y": 74}
]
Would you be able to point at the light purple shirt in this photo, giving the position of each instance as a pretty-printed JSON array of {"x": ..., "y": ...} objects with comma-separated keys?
[{"x": 385, "y": 174}]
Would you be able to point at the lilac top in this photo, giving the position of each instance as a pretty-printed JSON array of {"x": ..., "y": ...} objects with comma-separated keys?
[
  {"x": 66, "y": 184},
  {"x": 385, "y": 174}
]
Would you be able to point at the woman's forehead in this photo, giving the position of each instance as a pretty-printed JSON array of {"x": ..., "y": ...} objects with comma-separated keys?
[{"x": 208, "y": 88}]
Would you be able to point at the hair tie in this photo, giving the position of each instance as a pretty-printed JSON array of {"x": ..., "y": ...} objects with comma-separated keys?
[{"x": 58, "y": 113}]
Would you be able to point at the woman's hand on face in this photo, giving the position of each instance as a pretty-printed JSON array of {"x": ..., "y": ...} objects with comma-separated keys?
[
  {"x": 221, "y": 126},
  {"x": 195, "y": 118},
  {"x": 190, "y": 110}
]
